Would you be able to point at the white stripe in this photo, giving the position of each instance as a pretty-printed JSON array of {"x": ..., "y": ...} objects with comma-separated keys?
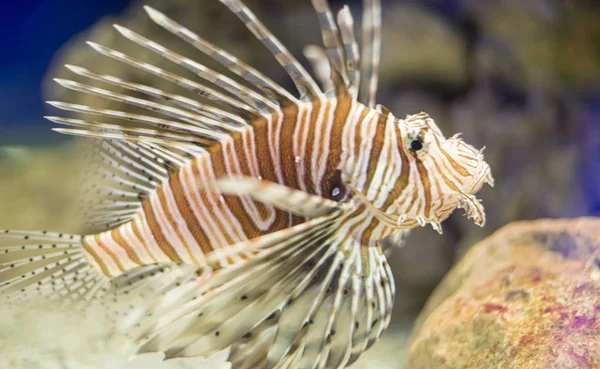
[
  {"x": 318, "y": 129},
  {"x": 181, "y": 224},
  {"x": 320, "y": 152},
  {"x": 274, "y": 140},
  {"x": 368, "y": 131},
  {"x": 435, "y": 191},
  {"x": 394, "y": 170},
  {"x": 249, "y": 205},
  {"x": 301, "y": 130},
  {"x": 92, "y": 261},
  {"x": 135, "y": 243},
  {"x": 378, "y": 186},
  {"x": 380, "y": 232},
  {"x": 148, "y": 238},
  {"x": 222, "y": 211},
  {"x": 120, "y": 252},
  {"x": 107, "y": 260},
  {"x": 199, "y": 208},
  {"x": 164, "y": 225},
  {"x": 345, "y": 228},
  {"x": 419, "y": 196},
  {"x": 348, "y": 135}
]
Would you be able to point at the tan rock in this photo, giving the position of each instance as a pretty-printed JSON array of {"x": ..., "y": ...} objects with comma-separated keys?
[{"x": 526, "y": 297}]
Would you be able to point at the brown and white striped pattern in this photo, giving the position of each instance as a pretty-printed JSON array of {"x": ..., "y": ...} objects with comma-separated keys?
[
  {"x": 330, "y": 144},
  {"x": 300, "y": 149},
  {"x": 303, "y": 147}
]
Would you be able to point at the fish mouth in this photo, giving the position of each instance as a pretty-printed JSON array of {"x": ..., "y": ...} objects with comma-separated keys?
[
  {"x": 469, "y": 202},
  {"x": 461, "y": 199},
  {"x": 465, "y": 200},
  {"x": 484, "y": 176}
]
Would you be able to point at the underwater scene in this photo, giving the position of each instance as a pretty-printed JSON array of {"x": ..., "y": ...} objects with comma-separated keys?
[{"x": 390, "y": 184}]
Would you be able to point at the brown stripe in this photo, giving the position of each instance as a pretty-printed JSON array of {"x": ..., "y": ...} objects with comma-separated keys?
[
  {"x": 323, "y": 149},
  {"x": 269, "y": 155},
  {"x": 233, "y": 202},
  {"x": 271, "y": 158},
  {"x": 287, "y": 157},
  {"x": 376, "y": 149},
  {"x": 436, "y": 184},
  {"x": 357, "y": 212},
  {"x": 413, "y": 200},
  {"x": 139, "y": 236},
  {"x": 454, "y": 164},
  {"x": 162, "y": 198},
  {"x": 358, "y": 135},
  {"x": 441, "y": 206},
  {"x": 402, "y": 182},
  {"x": 266, "y": 136},
  {"x": 199, "y": 170},
  {"x": 441, "y": 164},
  {"x": 157, "y": 232},
  {"x": 185, "y": 208},
  {"x": 309, "y": 133},
  {"x": 368, "y": 232},
  {"x": 244, "y": 161},
  {"x": 426, "y": 185},
  {"x": 118, "y": 238},
  {"x": 219, "y": 169},
  {"x": 340, "y": 119},
  {"x": 468, "y": 157},
  {"x": 91, "y": 252},
  {"x": 446, "y": 180},
  {"x": 262, "y": 147},
  {"x": 109, "y": 252}
]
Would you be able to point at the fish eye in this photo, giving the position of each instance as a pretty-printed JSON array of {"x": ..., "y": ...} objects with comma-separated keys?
[{"x": 416, "y": 145}]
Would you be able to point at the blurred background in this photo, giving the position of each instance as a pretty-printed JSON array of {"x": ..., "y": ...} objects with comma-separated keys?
[{"x": 520, "y": 77}]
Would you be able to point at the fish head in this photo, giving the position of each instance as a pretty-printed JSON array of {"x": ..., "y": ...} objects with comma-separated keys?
[{"x": 443, "y": 174}]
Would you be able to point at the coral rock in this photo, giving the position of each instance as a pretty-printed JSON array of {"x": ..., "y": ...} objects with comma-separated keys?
[{"x": 527, "y": 297}]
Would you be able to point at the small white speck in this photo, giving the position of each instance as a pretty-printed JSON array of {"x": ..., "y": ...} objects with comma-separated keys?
[
  {"x": 260, "y": 178},
  {"x": 222, "y": 199},
  {"x": 298, "y": 159},
  {"x": 335, "y": 192}
]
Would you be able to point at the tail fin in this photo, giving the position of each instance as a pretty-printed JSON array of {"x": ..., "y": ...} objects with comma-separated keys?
[{"x": 47, "y": 265}]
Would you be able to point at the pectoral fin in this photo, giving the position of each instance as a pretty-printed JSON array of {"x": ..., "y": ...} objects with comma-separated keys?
[{"x": 282, "y": 197}]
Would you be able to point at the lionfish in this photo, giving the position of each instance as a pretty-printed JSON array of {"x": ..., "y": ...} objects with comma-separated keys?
[{"x": 255, "y": 216}]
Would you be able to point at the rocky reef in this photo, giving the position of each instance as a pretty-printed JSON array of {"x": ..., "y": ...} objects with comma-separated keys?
[{"x": 527, "y": 297}]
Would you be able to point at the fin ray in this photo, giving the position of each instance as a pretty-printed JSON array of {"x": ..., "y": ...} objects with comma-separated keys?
[
  {"x": 331, "y": 39},
  {"x": 206, "y": 125},
  {"x": 246, "y": 94},
  {"x": 46, "y": 264},
  {"x": 280, "y": 196},
  {"x": 232, "y": 63},
  {"x": 295, "y": 289},
  {"x": 209, "y": 111},
  {"x": 188, "y": 84},
  {"x": 317, "y": 56},
  {"x": 351, "y": 50},
  {"x": 303, "y": 81},
  {"x": 371, "y": 51}
]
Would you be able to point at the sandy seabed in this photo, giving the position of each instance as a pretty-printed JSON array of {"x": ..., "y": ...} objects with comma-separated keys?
[{"x": 36, "y": 339}]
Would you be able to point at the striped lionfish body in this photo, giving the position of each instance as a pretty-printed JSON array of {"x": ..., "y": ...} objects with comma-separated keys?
[
  {"x": 299, "y": 146},
  {"x": 320, "y": 148},
  {"x": 258, "y": 213}
]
